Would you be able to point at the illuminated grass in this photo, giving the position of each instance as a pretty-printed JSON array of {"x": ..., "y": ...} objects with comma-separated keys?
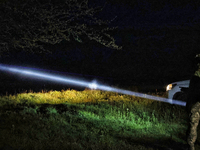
[{"x": 89, "y": 120}]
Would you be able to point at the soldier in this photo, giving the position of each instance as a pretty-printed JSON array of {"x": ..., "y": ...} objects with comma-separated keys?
[{"x": 193, "y": 105}]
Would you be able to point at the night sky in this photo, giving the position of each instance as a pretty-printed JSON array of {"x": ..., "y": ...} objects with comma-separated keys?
[{"x": 159, "y": 40}]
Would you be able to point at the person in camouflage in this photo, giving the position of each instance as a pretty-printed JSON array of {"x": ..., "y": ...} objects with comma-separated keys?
[{"x": 193, "y": 105}]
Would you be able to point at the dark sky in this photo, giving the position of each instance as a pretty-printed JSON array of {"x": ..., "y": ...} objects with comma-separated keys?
[
  {"x": 159, "y": 40},
  {"x": 147, "y": 14}
]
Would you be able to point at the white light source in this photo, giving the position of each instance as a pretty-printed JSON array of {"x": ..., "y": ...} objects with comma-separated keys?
[{"x": 93, "y": 85}]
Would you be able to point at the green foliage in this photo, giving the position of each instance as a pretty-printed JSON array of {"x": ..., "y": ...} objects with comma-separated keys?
[
  {"x": 51, "y": 110},
  {"x": 89, "y": 120},
  {"x": 30, "y": 110}
]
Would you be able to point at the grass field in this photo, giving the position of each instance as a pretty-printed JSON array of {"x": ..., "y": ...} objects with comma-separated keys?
[{"x": 91, "y": 120}]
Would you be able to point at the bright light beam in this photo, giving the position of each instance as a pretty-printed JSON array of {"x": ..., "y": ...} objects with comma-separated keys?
[
  {"x": 45, "y": 76},
  {"x": 90, "y": 85},
  {"x": 171, "y": 101}
]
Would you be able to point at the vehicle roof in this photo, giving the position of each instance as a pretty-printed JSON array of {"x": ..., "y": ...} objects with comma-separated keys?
[{"x": 182, "y": 82}]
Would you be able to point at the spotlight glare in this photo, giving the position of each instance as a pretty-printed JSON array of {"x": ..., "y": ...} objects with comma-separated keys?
[{"x": 92, "y": 85}]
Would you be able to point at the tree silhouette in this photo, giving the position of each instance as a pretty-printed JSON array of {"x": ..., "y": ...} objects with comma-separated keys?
[{"x": 32, "y": 24}]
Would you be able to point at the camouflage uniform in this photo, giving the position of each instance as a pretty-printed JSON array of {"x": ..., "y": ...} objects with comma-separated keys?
[{"x": 193, "y": 106}]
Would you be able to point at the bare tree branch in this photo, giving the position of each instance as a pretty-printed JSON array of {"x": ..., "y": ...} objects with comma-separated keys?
[{"x": 33, "y": 24}]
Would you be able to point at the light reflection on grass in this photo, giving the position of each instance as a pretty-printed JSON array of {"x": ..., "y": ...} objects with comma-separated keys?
[{"x": 88, "y": 120}]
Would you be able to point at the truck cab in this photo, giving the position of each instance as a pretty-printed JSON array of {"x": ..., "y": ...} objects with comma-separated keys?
[{"x": 178, "y": 90}]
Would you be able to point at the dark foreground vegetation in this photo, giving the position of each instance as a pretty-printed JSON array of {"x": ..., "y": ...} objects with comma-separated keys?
[{"x": 91, "y": 120}]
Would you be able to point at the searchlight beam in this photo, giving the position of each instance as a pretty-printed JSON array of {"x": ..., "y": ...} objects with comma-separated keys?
[{"x": 90, "y": 85}]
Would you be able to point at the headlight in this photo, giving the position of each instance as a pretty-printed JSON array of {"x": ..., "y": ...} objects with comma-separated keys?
[{"x": 169, "y": 87}]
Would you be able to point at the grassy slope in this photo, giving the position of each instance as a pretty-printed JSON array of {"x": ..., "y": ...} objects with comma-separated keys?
[{"x": 89, "y": 120}]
